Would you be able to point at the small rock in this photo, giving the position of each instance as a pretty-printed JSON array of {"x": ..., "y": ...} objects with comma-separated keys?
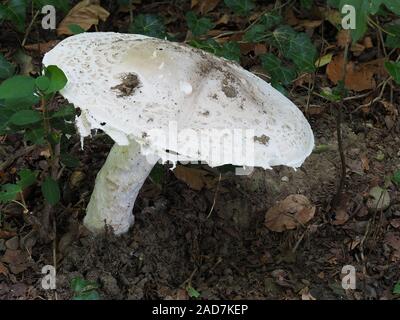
[{"x": 285, "y": 179}]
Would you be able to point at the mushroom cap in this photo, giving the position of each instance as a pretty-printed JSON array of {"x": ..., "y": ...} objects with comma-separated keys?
[{"x": 136, "y": 87}]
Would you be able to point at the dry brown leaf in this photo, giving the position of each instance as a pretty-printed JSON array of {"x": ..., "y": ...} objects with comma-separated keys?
[
  {"x": 358, "y": 77},
  {"x": 204, "y": 6},
  {"x": 42, "y": 48},
  {"x": 395, "y": 223},
  {"x": 3, "y": 269},
  {"x": 343, "y": 38},
  {"x": 85, "y": 14},
  {"x": 17, "y": 260},
  {"x": 310, "y": 23},
  {"x": 195, "y": 178},
  {"x": 7, "y": 234},
  {"x": 223, "y": 20},
  {"x": 288, "y": 214}
]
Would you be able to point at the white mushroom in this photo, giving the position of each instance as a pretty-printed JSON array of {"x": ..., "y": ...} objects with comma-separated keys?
[{"x": 162, "y": 100}]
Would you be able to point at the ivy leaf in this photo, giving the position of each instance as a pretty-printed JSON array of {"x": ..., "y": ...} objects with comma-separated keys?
[
  {"x": 276, "y": 70},
  {"x": 241, "y": 7},
  {"x": 394, "y": 70},
  {"x": 16, "y": 13},
  {"x": 296, "y": 47},
  {"x": 362, "y": 10},
  {"x": 393, "y": 36},
  {"x": 198, "y": 26},
  {"x": 393, "y": 6},
  {"x": 6, "y": 68},
  {"x": 51, "y": 191},
  {"x": 302, "y": 52},
  {"x": 25, "y": 117},
  {"x": 256, "y": 33},
  {"x": 192, "y": 292},
  {"x": 149, "y": 25},
  {"x": 230, "y": 50}
]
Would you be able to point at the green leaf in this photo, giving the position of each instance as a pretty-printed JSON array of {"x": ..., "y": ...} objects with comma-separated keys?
[
  {"x": 24, "y": 117},
  {"x": 17, "y": 88},
  {"x": 91, "y": 295},
  {"x": 306, "y": 4},
  {"x": 396, "y": 177},
  {"x": 230, "y": 50},
  {"x": 241, "y": 7},
  {"x": 42, "y": 83},
  {"x": 6, "y": 68},
  {"x": 76, "y": 29},
  {"x": 393, "y": 6},
  {"x": 51, "y": 191},
  {"x": 296, "y": 47},
  {"x": 16, "y": 13},
  {"x": 362, "y": 10},
  {"x": 64, "y": 112},
  {"x": 396, "y": 289},
  {"x": 276, "y": 70},
  {"x": 9, "y": 192},
  {"x": 57, "y": 78},
  {"x": 192, "y": 292},
  {"x": 394, "y": 70},
  {"x": 69, "y": 160},
  {"x": 198, "y": 26},
  {"x": 256, "y": 33},
  {"x": 26, "y": 178},
  {"x": 36, "y": 135},
  {"x": 393, "y": 36},
  {"x": 149, "y": 25}
]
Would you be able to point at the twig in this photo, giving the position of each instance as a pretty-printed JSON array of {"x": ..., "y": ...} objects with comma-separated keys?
[
  {"x": 15, "y": 156},
  {"x": 337, "y": 198},
  {"x": 215, "y": 197},
  {"x": 29, "y": 28}
]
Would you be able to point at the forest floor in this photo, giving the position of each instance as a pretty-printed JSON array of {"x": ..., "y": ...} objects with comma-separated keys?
[{"x": 179, "y": 247}]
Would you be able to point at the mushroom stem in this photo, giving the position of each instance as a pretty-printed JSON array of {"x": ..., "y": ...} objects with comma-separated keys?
[{"x": 116, "y": 188}]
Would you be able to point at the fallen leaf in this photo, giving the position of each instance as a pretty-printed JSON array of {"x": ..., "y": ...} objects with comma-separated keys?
[
  {"x": 289, "y": 213},
  {"x": 364, "y": 162},
  {"x": 358, "y": 77},
  {"x": 196, "y": 179},
  {"x": 341, "y": 217},
  {"x": 310, "y": 23},
  {"x": 17, "y": 260},
  {"x": 85, "y": 14},
  {"x": 7, "y": 234},
  {"x": 343, "y": 38},
  {"x": 3, "y": 269},
  {"x": 204, "y": 6},
  {"x": 393, "y": 240},
  {"x": 324, "y": 60},
  {"x": 42, "y": 48},
  {"x": 306, "y": 295},
  {"x": 223, "y": 20},
  {"x": 395, "y": 223}
]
